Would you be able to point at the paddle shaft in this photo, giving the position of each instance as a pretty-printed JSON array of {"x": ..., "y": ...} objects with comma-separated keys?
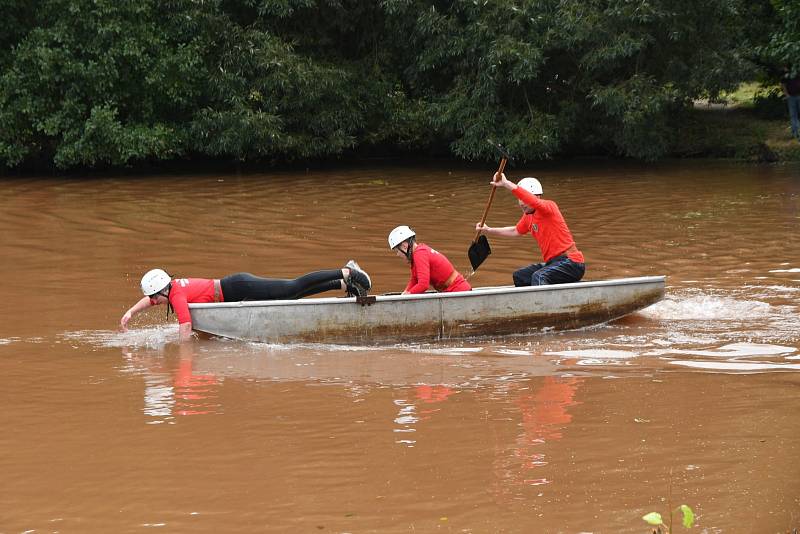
[{"x": 491, "y": 197}]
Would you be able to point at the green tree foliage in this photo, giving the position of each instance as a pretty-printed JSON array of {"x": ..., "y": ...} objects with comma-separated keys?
[
  {"x": 544, "y": 73},
  {"x": 98, "y": 81},
  {"x": 110, "y": 82},
  {"x": 783, "y": 47},
  {"x": 113, "y": 82}
]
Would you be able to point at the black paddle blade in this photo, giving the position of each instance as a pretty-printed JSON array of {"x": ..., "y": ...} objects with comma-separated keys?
[{"x": 478, "y": 251}]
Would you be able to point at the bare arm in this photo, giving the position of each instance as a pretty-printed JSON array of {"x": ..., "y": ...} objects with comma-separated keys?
[
  {"x": 143, "y": 304},
  {"x": 502, "y": 181},
  {"x": 185, "y": 331},
  {"x": 505, "y": 231}
]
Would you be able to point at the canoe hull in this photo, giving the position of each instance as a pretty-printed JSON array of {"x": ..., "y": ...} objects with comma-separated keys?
[{"x": 498, "y": 311}]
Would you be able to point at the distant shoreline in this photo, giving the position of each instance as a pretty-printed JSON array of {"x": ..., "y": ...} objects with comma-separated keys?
[{"x": 711, "y": 131}]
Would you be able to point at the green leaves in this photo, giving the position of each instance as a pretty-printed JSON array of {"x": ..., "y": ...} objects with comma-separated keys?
[
  {"x": 688, "y": 516},
  {"x": 99, "y": 82},
  {"x": 783, "y": 47},
  {"x": 653, "y": 518}
]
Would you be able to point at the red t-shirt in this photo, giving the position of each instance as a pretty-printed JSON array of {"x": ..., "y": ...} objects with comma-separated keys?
[
  {"x": 186, "y": 290},
  {"x": 547, "y": 226},
  {"x": 431, "y": 268}
]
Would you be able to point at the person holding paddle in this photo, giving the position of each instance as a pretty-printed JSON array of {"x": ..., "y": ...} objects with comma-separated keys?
[
  {"x": 429, "y": 268},
  {"x": 563, "y": 262},
  {"x": 160, "y": 288}
]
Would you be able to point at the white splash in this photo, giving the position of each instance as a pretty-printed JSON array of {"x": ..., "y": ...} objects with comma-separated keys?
[
  {"x": 738, "y": 350},
  {"x": 513, "y": 352},
  {"x": 707, "y": 308},
  {"x": 775, "y": 289},
  {"x": 150, "y": 337},
  {"x": 448, "y": 351},
  {"x": 792, "y": 270},
  {"x": 595, "y": 354},
  {"x": 597, "y": 361},
  {"x": 736, "y": 366}
]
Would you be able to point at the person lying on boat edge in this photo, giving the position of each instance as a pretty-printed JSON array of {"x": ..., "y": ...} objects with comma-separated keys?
[
  {"x": 563, "y": 262},
  {"x": 429, "y": 268},
  {"x": 160, "y": 288}
]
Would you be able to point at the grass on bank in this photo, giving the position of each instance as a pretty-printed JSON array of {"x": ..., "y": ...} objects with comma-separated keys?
[{"x": 751, "y": 124}]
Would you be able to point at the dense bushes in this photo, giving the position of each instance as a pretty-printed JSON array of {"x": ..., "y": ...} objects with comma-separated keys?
[{"x": 105, "y": 82}]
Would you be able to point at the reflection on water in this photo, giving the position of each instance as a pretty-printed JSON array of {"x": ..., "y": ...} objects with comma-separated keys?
[
  {"x": 412, "y": 411},
  {"x": 406, "y": 418},
  {"x": 544, "y": 418},
  {"x": 173, "y": 392}
]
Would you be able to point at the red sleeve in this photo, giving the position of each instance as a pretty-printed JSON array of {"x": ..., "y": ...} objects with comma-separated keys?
[
  {"x": 422, "y": 265},
  {"x": 411, "y": 282},
  {"x": 532, "y": 200},
  {"x": 524, "y": 224},
  {"x": 181, "y": 307}
]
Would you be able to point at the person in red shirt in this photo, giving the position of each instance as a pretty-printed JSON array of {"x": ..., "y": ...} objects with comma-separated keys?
[
  {"x": 563, "y": 262},
  {"x": 160, "y": 288},
  {"x": 429, "y": 268}
]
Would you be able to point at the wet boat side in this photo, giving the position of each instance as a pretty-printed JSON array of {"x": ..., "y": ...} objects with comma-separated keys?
[{"x": 431, "y": 316}]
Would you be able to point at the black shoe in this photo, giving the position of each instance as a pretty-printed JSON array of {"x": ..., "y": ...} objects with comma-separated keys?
[
  {"x": 354, "y": 290},
  {"x": 359, "y": 282}
]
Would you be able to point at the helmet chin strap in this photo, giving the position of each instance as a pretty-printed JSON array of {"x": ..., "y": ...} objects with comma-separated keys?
[
  {"x": 410, "y": 249},
  {"x": 169, "y": 304}
]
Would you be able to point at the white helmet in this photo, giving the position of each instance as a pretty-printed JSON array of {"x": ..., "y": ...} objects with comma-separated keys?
[
  {"x": 531, "y": 185},
  {"x": 400, "y": 234},
  {"x": 155, "y": 281}
]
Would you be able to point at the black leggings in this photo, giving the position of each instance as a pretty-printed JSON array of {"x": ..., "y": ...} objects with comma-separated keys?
[{"x": 245, "y": 286}]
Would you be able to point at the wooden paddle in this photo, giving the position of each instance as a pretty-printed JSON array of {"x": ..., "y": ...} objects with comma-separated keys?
[{"x": 479, "y": 250}]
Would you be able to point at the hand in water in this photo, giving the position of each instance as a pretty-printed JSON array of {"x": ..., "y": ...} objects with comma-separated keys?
[{"x": 123, "y": 323}]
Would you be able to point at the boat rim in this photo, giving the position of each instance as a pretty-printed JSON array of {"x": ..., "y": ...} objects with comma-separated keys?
[{"x": 476, "y": 291}]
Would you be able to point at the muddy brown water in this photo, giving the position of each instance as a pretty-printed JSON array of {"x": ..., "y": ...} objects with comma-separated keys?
[{"x": 694, "y": 400}]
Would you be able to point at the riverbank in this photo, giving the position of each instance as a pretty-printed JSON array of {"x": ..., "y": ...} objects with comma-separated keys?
[
  {"x": 735, "y": 128},
  {"x": 738, "y": 134},
  {"x": 751, "y": 124}
]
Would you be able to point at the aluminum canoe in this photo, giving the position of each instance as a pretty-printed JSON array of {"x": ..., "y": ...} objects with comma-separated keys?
[{"x": 486, "y": 311}]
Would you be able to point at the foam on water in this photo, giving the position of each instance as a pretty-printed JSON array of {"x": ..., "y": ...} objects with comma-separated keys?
[
  {"x": 600, "y": 362},
  {"x": 735, "y": 350},
  {"x": 259, "y": 346},
  {"x": 595, "y": 354},
  {"x": 737, "y": 366},
  {"x": 513, "y": 352},
  {"x": 707, "y": 308},
  {"x": 774, "y": 289},
  {"x": 147, "y": 337},
  {"x": 449, "y": 351}
]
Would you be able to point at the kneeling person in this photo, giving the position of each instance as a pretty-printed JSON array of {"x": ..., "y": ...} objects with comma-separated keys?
[
  {"x": 429, "y": 268},
  {"x": 563, "y": 262}
]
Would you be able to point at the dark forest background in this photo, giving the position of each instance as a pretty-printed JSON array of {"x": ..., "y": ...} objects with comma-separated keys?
[{"x": 95, "y": 83}]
